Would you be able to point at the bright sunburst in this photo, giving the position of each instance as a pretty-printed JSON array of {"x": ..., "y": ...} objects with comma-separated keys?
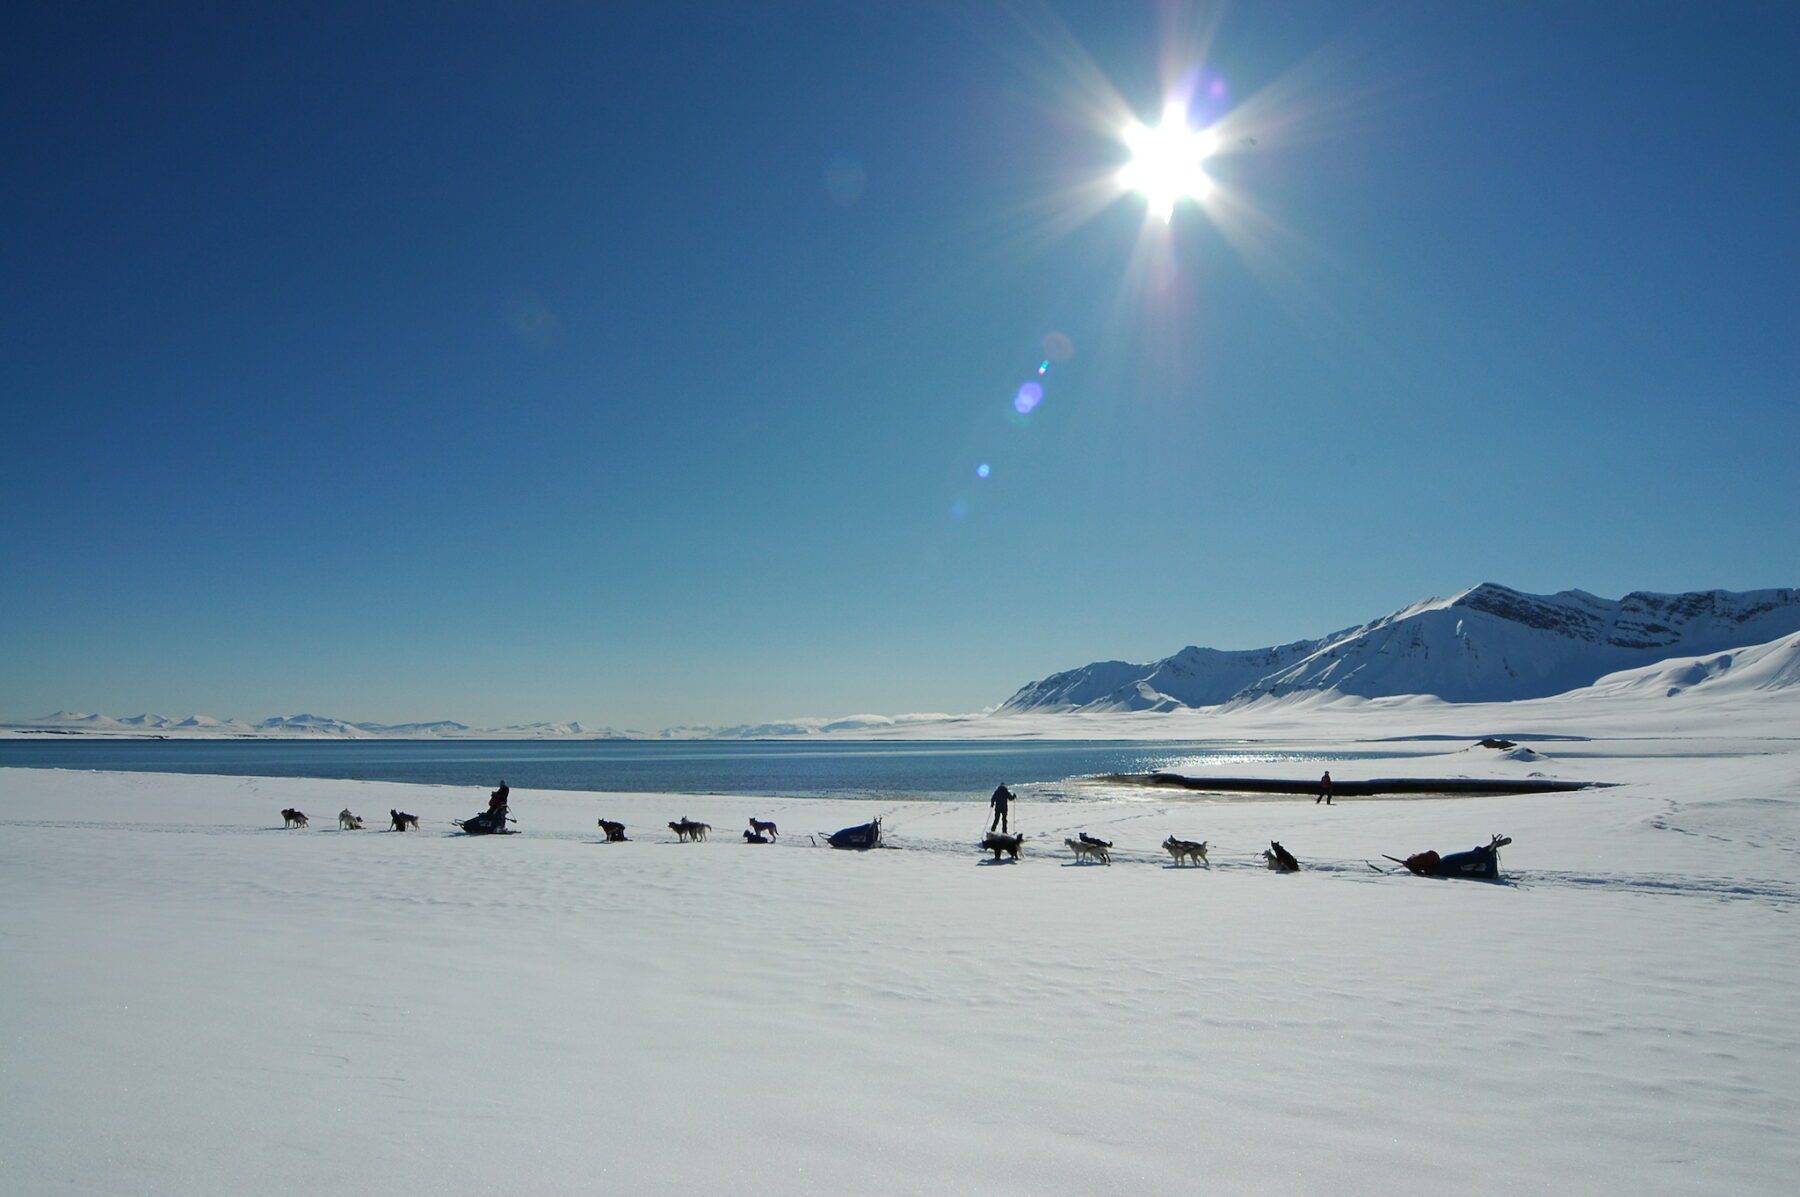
[{"x": 1165, "y": 161}]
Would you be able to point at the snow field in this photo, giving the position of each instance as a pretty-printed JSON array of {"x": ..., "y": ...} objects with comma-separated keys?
[{"x": 199, "y": 1002}]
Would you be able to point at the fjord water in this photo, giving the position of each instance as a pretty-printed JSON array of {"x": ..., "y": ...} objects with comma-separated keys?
[{"x": 801, "y": 769}]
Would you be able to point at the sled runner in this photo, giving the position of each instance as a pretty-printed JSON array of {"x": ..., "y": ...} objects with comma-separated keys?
[
  {"x": 1482, "y": 862},
  {"x": 858, "y": 839}
]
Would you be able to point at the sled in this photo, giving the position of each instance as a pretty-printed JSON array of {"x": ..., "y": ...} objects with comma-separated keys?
[
  {"x": 1482, "y": 863},
  {"x": 486, "y": 823},
  {"x": 857, "y": 839}
]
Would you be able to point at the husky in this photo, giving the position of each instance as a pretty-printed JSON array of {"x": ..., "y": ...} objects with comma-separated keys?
[
  {"x": 1280, "y": 859},
  {"x": 688, "y": 830},
  {"x": 401, "y": 820},
  {"x": 756, "y": 837},
  {"x": 1085, "y": 851},
  {"x": 615, "y": 832},
  {"x": 765, "y": 828},
  {"x": 292, "y": 818},
  {"x": 1188, "y": 850},
  {"x": 348, "y": 821},
  {"x": 997, "y": 843},
  {"x": 1085, "y": 838}
]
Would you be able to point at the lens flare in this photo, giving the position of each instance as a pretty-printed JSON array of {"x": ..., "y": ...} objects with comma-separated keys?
[
  {"x": 1029, "y": 396},
  {"x": 982, "y": 470}
]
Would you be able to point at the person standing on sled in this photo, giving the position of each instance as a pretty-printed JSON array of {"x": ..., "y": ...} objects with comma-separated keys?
[
  {"x": 1324, "y": 790},
  {"x": 1001, "y": 801}
]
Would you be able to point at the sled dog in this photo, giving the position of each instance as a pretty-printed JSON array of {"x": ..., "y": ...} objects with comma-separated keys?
[
  {"x": 1085, "y": 838},
  {"x": 765, "y": 828},
  {"x": 687, "y": 830},
  {"x": 1085, "y": 851},
  {"x": 292, "y": 818},
  {"x": 1280, "y": 859},
  {"x": 401, "y": 820},
  {"x": 1188, "y": 850},
  {"x": 615, "y": 832},
  {"x": 348, "y": 821},
  {"x": 756, "y": 837},
  {"x": 996, "y": 843}
]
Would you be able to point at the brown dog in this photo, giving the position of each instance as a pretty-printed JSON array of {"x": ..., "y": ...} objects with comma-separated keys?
[
  {"x": 762, "y": 828},
  {"x": 292, "y": 818}
]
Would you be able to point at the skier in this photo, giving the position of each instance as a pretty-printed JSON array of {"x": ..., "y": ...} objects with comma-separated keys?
[
  {"x": 1001, "y": 800},
  {"x": 1324, "y": 790}
]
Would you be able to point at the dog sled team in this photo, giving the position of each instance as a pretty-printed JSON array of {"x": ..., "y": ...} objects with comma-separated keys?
[
  {"x": 398, "y": 820},
  {"x": 1482, "y": 861}
]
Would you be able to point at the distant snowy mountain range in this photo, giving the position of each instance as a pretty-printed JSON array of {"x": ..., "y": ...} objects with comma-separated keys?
[
  {"x": 305, "y": 726},
  {"x": 1487, "y": 644}
]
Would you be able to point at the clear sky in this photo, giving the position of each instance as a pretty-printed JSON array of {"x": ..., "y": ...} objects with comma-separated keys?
[{"x": 634, "y": 363}]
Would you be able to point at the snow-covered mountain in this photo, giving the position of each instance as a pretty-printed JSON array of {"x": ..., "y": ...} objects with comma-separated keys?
[
  {"x": 298, "y": 726},
  {"x": 1193, "y": 677},
  {"x": 1486, "y": 644},
  {"x": 1771, "y": 666}
]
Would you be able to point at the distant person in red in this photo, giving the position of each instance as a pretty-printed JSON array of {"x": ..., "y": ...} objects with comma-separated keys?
[
  {"x": 497, "y": 800},
  {"x": 1001, "y": 801},
  {"x": 1324, "y": 790}
]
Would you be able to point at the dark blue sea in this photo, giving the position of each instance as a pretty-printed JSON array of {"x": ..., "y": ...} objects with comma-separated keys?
[{"x": 939, "y": 769}]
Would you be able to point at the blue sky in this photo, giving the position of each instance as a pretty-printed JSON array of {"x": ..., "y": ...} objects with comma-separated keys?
[{"x": 634, "y": 363}]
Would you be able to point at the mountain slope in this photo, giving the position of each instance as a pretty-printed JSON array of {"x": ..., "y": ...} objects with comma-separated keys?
[
  {"x": 1771, "y": 666},
  {"x": 1486, "y": 644},
  {"x": 1193, "y": 677}
]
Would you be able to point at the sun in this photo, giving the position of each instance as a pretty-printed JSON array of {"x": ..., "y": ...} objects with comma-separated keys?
[{"x": 1165, "y": 161}]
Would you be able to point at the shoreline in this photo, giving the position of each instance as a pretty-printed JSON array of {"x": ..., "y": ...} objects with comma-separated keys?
[{"x": 1375, "y": 787}]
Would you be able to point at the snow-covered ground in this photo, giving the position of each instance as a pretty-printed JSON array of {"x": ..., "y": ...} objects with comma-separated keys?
[{"x": 197, "y": 1002}]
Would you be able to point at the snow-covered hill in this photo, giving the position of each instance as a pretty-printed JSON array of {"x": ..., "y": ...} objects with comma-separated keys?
[
  {"x": 1771, "y": 666},
  {"x": 1487, "y": 644}
]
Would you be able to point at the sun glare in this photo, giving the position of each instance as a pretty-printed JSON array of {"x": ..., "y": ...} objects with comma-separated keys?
[{"x": 1165, "y": 161}]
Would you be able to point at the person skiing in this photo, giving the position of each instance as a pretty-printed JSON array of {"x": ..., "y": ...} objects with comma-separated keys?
[
  {"x": 1324, "y": 790},
  {"x": 1001, "y": 800}
]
